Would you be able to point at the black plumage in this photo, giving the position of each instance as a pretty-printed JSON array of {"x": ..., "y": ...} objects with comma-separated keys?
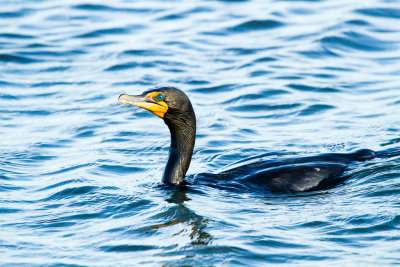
[{"x": 286, "y": 175}]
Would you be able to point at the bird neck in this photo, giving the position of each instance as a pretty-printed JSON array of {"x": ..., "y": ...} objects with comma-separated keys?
[{"x": 183, "y": 134}]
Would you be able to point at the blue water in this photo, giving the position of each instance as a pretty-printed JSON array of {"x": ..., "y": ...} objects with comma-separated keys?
[{"x": 80, "y": 173}]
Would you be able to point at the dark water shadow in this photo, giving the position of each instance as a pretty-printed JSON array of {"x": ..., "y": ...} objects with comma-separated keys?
[{"x": 180, "y": 214}]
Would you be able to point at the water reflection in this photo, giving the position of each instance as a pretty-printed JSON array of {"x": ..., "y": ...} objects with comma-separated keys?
[{"x": 194, "y": 226}]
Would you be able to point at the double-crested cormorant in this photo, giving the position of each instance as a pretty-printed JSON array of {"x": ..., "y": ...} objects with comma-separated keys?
[{"x": 288, "y": 175}]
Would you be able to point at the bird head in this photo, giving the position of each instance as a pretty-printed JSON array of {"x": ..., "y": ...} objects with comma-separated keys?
[{"x": 163, "y": 102}]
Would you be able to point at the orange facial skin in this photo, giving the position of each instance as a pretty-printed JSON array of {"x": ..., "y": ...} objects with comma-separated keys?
[{"x": 148, "y": 102}]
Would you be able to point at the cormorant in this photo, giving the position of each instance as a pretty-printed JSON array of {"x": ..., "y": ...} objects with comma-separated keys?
[{"x": 287, "y": 175}]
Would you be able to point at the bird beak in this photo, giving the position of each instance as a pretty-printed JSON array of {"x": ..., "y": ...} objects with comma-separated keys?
[{"x": 157, "y": 108}]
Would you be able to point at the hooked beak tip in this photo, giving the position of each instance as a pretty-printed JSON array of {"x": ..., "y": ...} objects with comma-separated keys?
[{"x": 121, "y": 97}]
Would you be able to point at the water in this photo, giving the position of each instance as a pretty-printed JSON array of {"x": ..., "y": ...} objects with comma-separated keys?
[{"x": 80, "y": 173}]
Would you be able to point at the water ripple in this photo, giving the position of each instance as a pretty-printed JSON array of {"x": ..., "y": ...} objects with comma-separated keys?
[
  {"x": 256, "y": 25},
  {"x": 71, "y": 192},
  {"x": 107, "y": 8},
  {"x": 17, "y": 59},
  {"x": 15, "y": 36},
  {"x": 308, "y": 88},
  {"x": 380, "y": 12},
  {"x": 358, "y": 41},
  {"x": 101, "y": 32}
]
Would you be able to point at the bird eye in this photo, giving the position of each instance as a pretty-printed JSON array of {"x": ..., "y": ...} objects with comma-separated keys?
[{"x": 160, "y": 97}]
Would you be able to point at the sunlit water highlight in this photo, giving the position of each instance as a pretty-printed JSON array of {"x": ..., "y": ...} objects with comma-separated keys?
[{"x": 80, "y": 173}]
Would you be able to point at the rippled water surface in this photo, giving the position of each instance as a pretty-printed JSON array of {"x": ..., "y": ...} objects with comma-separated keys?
[{"x": 80, "y": 173}]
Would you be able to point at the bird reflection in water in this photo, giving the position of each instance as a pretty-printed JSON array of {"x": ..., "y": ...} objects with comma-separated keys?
[{"x": 179, "y": 214}]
